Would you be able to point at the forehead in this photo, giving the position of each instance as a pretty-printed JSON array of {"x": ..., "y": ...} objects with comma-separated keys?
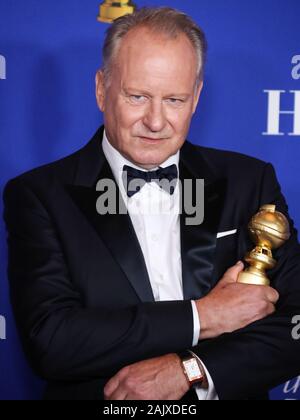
[{"x": 147, "y": 57}]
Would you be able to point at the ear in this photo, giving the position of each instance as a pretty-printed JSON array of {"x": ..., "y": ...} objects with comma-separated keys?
[
  {"x": 197, "y": 96},
  {"x": 100, "y": 90}
]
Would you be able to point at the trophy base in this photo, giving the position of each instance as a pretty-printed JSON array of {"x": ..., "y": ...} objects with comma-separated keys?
[{"x": 254, "y": 278}]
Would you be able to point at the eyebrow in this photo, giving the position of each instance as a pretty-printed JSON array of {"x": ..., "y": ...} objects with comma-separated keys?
[{"x": 147, "y": 93}]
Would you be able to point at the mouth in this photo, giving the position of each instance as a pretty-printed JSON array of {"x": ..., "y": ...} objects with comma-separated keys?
[{"x": 151, "y": 140}]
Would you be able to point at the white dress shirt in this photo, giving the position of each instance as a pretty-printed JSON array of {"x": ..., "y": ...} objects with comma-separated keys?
[{"x": 155, "y": 215}]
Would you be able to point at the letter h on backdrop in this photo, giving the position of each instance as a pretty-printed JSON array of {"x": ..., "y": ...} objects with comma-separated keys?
[
  {"x": 275, "y": 112},
  {"x": 2, "y": 67}
]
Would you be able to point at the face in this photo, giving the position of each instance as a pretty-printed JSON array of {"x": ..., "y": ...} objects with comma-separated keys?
[{"x": 151, "y": 97}]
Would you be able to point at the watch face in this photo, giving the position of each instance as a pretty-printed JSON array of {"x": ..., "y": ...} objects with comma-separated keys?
[{"x": 192, "y": 369}]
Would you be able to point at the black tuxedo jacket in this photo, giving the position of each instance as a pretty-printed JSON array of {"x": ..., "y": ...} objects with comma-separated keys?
[{"x": 81, "y": 292}]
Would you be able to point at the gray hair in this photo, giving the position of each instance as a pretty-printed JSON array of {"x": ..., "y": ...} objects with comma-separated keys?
[{"x": 165, "y": 20}]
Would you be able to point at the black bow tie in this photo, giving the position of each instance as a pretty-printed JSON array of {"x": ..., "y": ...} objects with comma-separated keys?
[{"x": 170, "y": 173}]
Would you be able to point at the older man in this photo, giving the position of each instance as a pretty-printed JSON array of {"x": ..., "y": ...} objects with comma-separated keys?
[{"x": 136, "y": 305}]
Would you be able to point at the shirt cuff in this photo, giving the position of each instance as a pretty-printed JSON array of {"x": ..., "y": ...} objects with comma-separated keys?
[
  {"x": 209, "y": 394},
  {"x": 197, "y": 326}
]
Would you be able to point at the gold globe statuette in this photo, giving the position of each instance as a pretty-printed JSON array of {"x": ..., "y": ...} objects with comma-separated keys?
[
  {"x": 269, "y": 229},
  {"x": 111, "y": 10}
]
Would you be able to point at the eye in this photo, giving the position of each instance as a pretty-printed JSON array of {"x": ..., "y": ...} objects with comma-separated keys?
[
  {"x": 175, "y": 101},
  {"x": 137, "y": 99}
]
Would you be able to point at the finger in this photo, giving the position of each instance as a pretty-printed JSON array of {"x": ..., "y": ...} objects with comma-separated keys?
[
  {"x": 272, "y": 295},
  {"x": 119, "y": 395},
  {"x": 271, "y": 309},
  {"x": 268, "y": 310},
  {"x": 111, "y": 387},
  {"x": 232, "y": 273}
]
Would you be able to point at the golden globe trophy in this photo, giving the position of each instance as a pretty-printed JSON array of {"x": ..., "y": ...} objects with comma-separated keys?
[
  {"x": 269, "y": 229},
  {"x": 111, "y": 10}
]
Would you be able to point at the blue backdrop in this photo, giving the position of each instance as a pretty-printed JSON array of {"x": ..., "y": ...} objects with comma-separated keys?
[{"x": 49, "y": 53}]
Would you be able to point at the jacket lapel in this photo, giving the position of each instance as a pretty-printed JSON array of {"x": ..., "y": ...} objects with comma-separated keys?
[
  {"x": 115, "y": 230},
  {"x": 198, "y": 243}
]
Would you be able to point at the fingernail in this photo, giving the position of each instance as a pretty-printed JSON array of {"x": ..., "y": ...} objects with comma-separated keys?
[{"x": 239, "y": 263}]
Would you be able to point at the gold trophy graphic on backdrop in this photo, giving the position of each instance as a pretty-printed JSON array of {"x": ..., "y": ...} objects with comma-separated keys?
[
  {"x": 269, "y": 229},
  {"x": 110, "y": 10}
]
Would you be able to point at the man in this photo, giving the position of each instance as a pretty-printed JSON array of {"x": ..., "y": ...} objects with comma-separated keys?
[{"x": 135, "y": 306}]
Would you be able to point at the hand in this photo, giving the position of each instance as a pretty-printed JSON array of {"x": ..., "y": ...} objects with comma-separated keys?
[
  {"x": 231, "y": 305},
  {"x": 161, "y": 378}
]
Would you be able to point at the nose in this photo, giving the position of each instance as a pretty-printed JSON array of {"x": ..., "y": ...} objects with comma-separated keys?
[{"x": 154, "y": 118}]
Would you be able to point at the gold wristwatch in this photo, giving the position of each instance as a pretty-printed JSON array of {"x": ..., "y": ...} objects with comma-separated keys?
[{"x": 192, "y": 369}]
